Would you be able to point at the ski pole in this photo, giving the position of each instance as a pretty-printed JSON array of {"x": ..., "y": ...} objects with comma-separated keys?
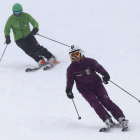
[
  {"x": 3, "y": 52},
  {"x": 125, "y": 91},
  {"x": 53, "y": 40},
  {"x": 76, "y": 110}
]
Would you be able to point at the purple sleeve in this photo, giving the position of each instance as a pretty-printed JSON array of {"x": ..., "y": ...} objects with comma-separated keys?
[
  {"x": 98, "y": 68},
  {"x": 70, "y": 78}
]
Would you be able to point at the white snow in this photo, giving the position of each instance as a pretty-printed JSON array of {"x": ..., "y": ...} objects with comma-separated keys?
[{"x": 34, "y": 106}]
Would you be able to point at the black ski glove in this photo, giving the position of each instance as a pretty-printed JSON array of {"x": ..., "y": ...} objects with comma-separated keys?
[
  {"x": 105, "y": 77},
  {"x": 34, "y": 31},
  {"x": 7, "y": 41},
  {"x": 69, "y": 93}
]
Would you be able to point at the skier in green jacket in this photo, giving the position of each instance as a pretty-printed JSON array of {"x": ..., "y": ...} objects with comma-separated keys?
[{"x": 24, "y": 37}]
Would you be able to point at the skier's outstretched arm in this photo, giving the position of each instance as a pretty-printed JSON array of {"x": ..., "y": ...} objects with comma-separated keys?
[
  {"x": 33, "y": 22},
  {"x": 70, "y": 82},
  {"x": 99, "y": 68},
  {"x": 7, "y": 31}
]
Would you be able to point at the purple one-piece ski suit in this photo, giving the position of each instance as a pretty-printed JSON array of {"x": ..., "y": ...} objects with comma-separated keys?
[{"x": 89, "y": 84}]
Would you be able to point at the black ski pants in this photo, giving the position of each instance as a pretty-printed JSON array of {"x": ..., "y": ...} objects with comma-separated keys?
[{"x": 31, "y": 47}]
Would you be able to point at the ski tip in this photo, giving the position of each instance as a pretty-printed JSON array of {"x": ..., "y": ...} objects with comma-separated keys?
[
  {"x": 125, "y": 129},
  {"x": 45, "y": 68},
  {"x": 32, "y": 69},
  {"x": 103, "y": 129},
  {"x": 28, "y": 70}
]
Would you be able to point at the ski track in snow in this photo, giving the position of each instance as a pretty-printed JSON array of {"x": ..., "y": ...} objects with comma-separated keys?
[{"x": 34, "y": 106}]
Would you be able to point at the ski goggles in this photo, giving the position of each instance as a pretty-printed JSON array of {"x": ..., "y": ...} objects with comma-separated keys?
[
  {"x": 17, "y": 12},
  {"x": 75, "y": 54}
]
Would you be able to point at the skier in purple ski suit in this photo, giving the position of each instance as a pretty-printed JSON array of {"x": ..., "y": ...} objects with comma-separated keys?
[{"x": 83, "y": 70}]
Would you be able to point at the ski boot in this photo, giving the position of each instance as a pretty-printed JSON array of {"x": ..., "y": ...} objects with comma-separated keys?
[
  {"x": 124, "y": 123},
  {"x": 109, "y": 123},
  {"x": 41, "y": 63},
  {"x": 52, "y": 62}
]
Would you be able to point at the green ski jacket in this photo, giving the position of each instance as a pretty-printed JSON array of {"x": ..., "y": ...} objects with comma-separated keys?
[{"x": 20, "y": 25}]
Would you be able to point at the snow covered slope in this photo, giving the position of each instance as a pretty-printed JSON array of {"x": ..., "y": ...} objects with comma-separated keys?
[{"x": 34, "y": 106}]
